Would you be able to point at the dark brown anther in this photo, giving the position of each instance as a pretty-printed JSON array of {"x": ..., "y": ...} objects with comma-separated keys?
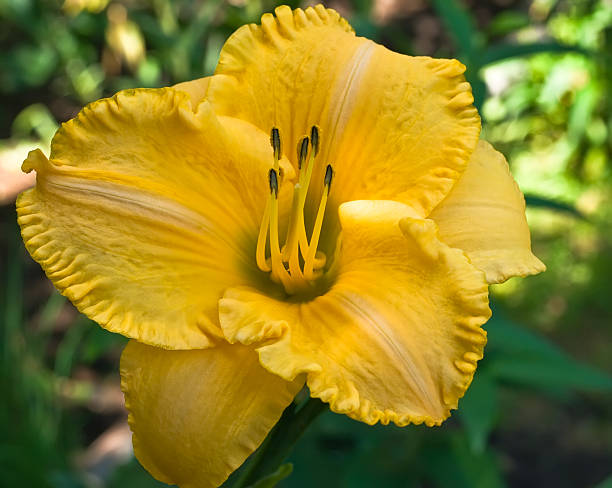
[
  {"x": 275, "y": 142},
  {"x": 314, "y": 139},
  {"x": 273, "y": 180},
  {"x": 302, "y": 151},
  {"x": 329, "y": 173}
]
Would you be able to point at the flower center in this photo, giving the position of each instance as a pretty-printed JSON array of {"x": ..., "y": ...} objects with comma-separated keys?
[{"x": 297, "y": 264}]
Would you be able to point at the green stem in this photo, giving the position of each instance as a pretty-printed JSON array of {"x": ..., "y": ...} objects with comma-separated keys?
[{"x": 280, "y": 441}]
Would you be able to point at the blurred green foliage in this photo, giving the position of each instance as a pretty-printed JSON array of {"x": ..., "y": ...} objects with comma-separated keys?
[{"x": 541, "y": 75}]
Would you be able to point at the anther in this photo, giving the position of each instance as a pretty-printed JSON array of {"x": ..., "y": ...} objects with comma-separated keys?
[
  {"x": 273, "y": 180},
  {"x": 302, "y": 151},
  {"x": 275, "y": 142},
  {"x": 329, "y": 173},
  {"x": 314, "y": 139}
]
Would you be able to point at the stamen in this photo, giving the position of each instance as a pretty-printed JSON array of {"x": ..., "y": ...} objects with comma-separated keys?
[
  {"x": 296, "y": 222},
  {"x": 316, "y": 231},
  {"x": 278, "y": 268},
  {"x": 260, "y": 253},
  {"x": 304, "y": 182},
  {"x": 285, "y": 265}
]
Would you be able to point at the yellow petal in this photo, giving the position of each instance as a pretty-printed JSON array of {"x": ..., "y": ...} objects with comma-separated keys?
[
  {"x": 197, "y": 415},
  {"x": 393, "y": 126},
  {"x": 485, "y": 216},
  {"x": 147, "y": 211},
  {"x": 196, "y": 89},
  {"x": 397, "y": 336}
]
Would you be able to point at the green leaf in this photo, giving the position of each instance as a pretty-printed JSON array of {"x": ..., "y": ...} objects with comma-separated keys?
[
  {"x": 51, "y": 311},
  {"x": 35, "y": 119},
  {"x": 519, "y": 356},
  {"x": 560, "y": 373},
  {"x": 479, "y": 410},
  {"x": 35, "y": 63},
  {"x": 607, "y": 483},
  {"x": 508, "y": 21},
  {"x": 132, "y": 474},
  {"x": 63, "y": 479},
  {"x": 280, "y": 474},
  {"x": 503, "y": 51},
  {"x": 98, "y": 342},
  {"x": 581, "y": 112},
  {"x": 549, "y": 203},
  {"x": 67, "y": 348},
  {"x": 458, "y": 21},
  {"x": 479, "y": 89},
  {"x": 450, "y": 463}
]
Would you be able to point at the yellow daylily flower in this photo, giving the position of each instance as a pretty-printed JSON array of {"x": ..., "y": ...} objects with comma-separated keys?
[{"x": 319, "y": 211}]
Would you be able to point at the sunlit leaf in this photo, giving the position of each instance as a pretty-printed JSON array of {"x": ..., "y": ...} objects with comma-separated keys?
[
  {"x": 37, "y": 119},
  {"x": 508, "y": 21},
  {"x": 35, "y": 63},
  {"x": 506, "y": 50},
  {"x": 581, "y": 112}
]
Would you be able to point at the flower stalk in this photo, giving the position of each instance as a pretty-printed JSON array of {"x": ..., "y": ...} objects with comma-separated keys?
[{"x": 280, "y": 442}]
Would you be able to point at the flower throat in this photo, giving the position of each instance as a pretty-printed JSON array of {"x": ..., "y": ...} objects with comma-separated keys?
[{"x": 297, "y": 264}]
